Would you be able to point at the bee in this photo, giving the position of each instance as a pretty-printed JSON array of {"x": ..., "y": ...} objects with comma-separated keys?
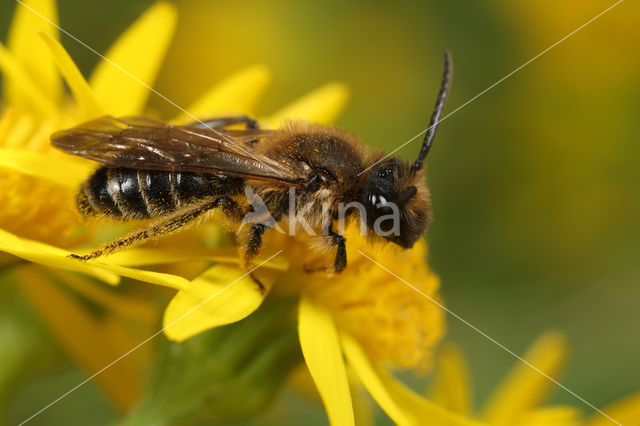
[{"x": 177, "y": 174}]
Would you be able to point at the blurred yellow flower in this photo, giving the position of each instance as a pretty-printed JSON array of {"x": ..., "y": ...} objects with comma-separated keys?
[{"x": 518, "y": 399}]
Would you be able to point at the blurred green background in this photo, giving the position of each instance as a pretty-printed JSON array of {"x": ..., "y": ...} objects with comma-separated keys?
[{"x": 536, "y": 184}]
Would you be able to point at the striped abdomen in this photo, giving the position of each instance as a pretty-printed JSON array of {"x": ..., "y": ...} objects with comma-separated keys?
[{"x": 125, "y": 194}]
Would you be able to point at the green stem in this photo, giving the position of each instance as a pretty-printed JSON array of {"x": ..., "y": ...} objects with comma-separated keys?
[{"x": 225, "y": 374}]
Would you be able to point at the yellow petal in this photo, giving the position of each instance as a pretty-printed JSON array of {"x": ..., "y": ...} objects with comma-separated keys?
[
  {"x": 17, "y": 128},
  {"x": 151, "y": 277},
  {"x": 323, "y": 105},
  {"x": 29, "y": 19},
  {"x": 236, "y": 95},
  {"x": 56, "y": 257},
  {"x": 359, "y": 362},
  {"x": 153, "y": 256},
  {"x": 321, "y": 350},
  {"x": 553, "y": 416},
  {"x": 47, "y": 255},
  {"x": 59, "y": 169},
  {"x": 78, "y": 85},
  {"x": 525, "y": 388},
  {"x": 404, "y": 406},
  {"x": 221, "y": 295},
  {"x": 22, "y": 86},
  {"x": 134, "y": 61},
  {"x": 451, "y": 388},
  {"x": 82, "y": 335},
  {"x": 626, "y": 412}
]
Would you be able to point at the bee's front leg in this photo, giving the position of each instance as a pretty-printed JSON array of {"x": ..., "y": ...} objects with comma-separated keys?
[
  {"x": 333, "y": 239},
  {"x": 251, "y": 247},
  {"x": 253, "y": 244},
  {"x": 340, "y": 261}
]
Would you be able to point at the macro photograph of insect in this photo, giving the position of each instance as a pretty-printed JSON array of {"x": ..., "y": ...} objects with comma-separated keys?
[{"x": 319, "y": 213}]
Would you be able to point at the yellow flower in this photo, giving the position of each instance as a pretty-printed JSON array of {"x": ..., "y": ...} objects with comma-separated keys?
[
  {"x": 361, "y": 314},
  {"x": 625, "y": 411},
  {"x": 38, "y": 221},
  {"x": 519, "y": 397},
  {"x": 362, "y": 321},
  {"x": 30, "y": 116}
]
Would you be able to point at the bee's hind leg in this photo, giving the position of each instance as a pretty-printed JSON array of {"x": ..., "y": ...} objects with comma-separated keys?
[{"x": 164, "y": 227}]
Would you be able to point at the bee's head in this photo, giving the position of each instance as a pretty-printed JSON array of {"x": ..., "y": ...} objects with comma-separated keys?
[
  {"x": 396, "y": 202},
  {"x": 395, "y": 196}
]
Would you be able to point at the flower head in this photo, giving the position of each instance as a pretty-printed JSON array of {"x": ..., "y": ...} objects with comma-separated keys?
[
  {"x": 363, "y": 312},
  {"x": 392, "y": 321},
  {"x": 519, "y": 399}
]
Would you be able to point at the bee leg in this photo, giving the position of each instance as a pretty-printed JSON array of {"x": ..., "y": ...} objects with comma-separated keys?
[
  {"x": 340, "y": 261},
  {"x": 164, "y": 227},
  {"x": 261, "y": 288},
  {"x": 226, "y": 121},
  {"x": 251, "y": 248}
]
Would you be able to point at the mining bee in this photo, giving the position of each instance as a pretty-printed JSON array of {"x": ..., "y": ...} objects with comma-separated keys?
[{"x": 176, "y": 174}]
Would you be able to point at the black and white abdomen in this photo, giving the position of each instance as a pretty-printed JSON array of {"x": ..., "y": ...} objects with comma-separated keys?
[{"x": 124, "y": 194}]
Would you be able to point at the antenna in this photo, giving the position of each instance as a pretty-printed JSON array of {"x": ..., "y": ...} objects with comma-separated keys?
[{"x": 437, "y": 112}]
